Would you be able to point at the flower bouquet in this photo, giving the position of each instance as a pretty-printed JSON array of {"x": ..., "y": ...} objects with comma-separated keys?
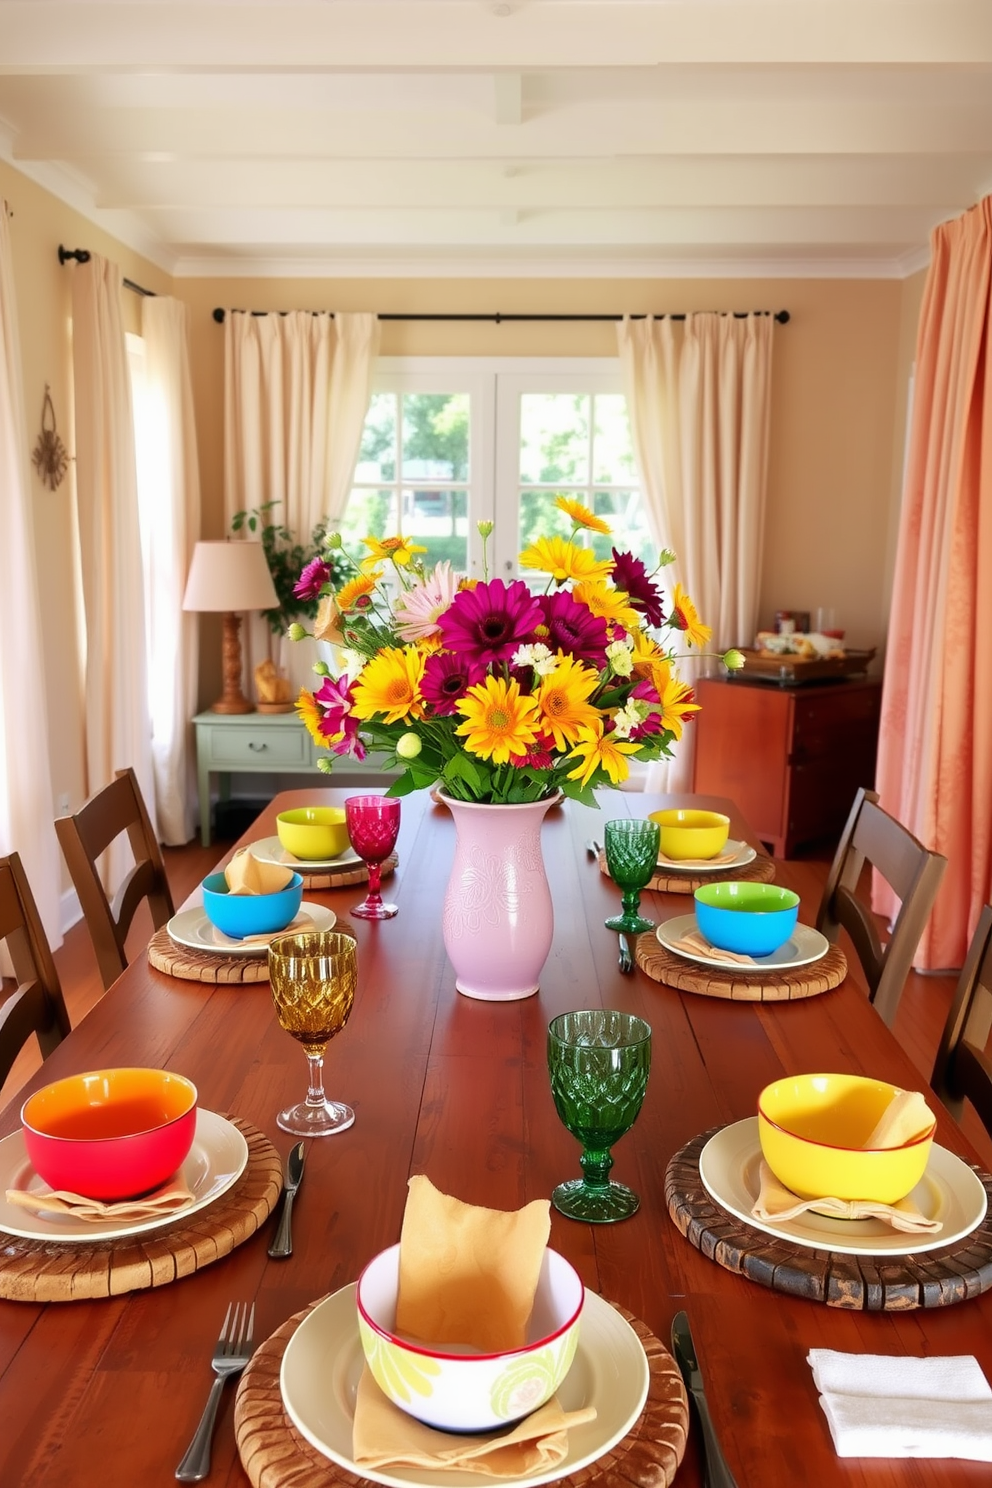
[{"x": 500, "y": 694}]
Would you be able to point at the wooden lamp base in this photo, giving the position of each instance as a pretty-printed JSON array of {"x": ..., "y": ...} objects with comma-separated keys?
[{"x": 232, "y": 700}]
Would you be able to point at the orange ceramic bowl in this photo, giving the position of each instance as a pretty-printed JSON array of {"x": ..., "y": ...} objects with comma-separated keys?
[{"x": 110, "y": 1134}]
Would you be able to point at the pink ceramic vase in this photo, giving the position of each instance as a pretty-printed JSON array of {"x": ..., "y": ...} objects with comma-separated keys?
[{"x": 497, "y": 920}]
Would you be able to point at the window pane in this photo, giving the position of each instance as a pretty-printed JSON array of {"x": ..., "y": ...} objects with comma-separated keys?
[
  {"x": 613, "y": 458},
  {"x": 377, "y": 456},
  {"x": 539, "y": 517},
  {"x": 438, "y": 521},
  {"x": 435, "y": 436},
  {"x": 554, "y": 438},
  {"x": 368, "y": 514},
  {"x": 625, "y": 513}
]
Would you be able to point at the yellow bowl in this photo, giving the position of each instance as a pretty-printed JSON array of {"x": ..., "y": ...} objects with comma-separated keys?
[
  {"x": 811, "y": 1129},
  {"x": 691, "y": 834},
  {"x": 313, "y": 832}
]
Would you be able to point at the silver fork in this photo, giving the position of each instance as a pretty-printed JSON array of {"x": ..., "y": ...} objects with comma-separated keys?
[
  {"x": 625, "y": 960},
  {"x": 233, "y": 1350}
]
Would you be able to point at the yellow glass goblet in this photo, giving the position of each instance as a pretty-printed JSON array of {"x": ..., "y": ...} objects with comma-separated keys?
[{"x": 313, "y": 978}]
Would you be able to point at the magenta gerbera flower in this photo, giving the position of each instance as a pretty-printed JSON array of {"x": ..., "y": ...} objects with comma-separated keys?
[
  {"x": 565, "y": 625},
  {"x": 313, "y": 578},
  {"x": 486, "y": 624},
  {"x": 630, "y": 575},
  {"x": 446, "y": 679},
  {"x": 338, "y": 725}
]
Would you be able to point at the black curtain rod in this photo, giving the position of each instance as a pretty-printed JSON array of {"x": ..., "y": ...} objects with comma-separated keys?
[
  {"x": 782, "y": 316},
  {"x": 82, "y": 255}
]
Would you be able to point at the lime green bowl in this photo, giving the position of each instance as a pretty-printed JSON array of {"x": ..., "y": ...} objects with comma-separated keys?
[
  {"x": 313, "y": 832},
  {"x": 753, "y": 919}
]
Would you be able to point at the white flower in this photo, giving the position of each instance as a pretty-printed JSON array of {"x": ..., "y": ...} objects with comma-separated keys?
[
  {"x": 352, "y": 661},
  {"x": 620, "y": 657},
  {"x": 537, "y": 656},
  {"x": 627, "y": 718}
]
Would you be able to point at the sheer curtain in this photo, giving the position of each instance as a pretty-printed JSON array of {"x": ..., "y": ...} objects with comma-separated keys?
[
  {"x": 169, "y": 489},
  {"x": 27, "y": 810},
  {"x": 935, "y": 742},
  {"x": 296, "y": 392},
  {"x": 118, "y": 727},
  {"x": 699, "y": 400}
]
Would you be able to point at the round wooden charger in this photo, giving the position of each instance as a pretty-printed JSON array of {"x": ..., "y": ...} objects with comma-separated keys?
[
  {"x": 46, "y": 1271},
  {"x": 740, "y": 986},
  {"x": 882, "y": 1283},
  {"x": 337, "y": 878},
  {"x": 274, "y": 1454},
  {"x": 191, "y": 965},
  {"x": 759, "y": 870}
]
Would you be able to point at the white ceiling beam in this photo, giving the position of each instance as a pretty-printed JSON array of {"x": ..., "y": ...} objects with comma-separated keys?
[{"x": 508, "y": 98}]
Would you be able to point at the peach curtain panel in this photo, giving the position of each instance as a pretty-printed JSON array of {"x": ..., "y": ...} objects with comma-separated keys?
[
  {"x": 699, "y": 399},
  {"x": 27, "y": 810},
  {"x": 935, "y": 745}
]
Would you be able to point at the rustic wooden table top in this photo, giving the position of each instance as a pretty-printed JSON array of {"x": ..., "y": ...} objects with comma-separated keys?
[{"x": 103, "y": 1394}]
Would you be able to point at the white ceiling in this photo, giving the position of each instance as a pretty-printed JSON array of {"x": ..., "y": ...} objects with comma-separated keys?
[{"x": 524, "y": 137}]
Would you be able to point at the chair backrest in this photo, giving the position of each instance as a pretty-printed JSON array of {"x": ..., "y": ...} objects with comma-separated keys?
[
  {"x": 911, "y": 871},
  {"x": 117, "y": 808},
  {"x": 963, "y": 1069},
  {"x": 35, "y": 1004}
]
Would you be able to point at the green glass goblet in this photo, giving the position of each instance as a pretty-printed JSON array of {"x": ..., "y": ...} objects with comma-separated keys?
[
  {"x": 598, "y": 1062},
  {"x": 631, "y": 858}
]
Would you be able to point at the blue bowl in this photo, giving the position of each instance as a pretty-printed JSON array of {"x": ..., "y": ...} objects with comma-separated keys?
[
  {"x": 753, "y": 919},
  {"x": 239, "y": 915}
]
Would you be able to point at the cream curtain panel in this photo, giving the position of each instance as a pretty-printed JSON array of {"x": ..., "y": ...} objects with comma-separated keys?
[
  {"x": 27, "y": 810},
  {"x": 169, "y": 483},
  {"x": 699, "y": 399},
  {"x": 296, "y": 392},
  {"x": 118, "y": 727}
]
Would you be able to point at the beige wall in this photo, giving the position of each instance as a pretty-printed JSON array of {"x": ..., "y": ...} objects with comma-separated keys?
[{"x": 839, "y": 397}]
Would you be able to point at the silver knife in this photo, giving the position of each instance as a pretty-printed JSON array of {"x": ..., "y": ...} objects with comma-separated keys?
[
  {"x": 716, "y": 1472},
  {"x": 282, "y": 1245}
]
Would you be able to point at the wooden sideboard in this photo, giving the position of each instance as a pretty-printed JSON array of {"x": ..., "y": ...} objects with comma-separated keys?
[{"x": 791, "y": 757}]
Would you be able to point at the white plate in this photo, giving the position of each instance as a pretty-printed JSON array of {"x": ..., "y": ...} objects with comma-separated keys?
[
  {"x": 323, "y": 1364},
  {"x": 190, "y": 927},
  {"x": 743, "y": 853},
  {"x": 949, "y": 1191},
  {"x": 216, "y": 1161},
  {"x": 271, "y": 850},
  {"x": 803, "y": 946}
]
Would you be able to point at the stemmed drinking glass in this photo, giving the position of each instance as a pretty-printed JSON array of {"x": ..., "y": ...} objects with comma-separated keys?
[
  {"x": 631, "y": 858},
  {"x": 313, "y": 978},
  {"x": 598, "y": 1062},
  {"x": 373, "y": 825}
]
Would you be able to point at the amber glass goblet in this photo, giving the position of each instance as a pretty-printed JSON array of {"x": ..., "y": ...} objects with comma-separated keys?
[
  {"x": 373, "y": 826},
  {"x": 313, "y": 978}
]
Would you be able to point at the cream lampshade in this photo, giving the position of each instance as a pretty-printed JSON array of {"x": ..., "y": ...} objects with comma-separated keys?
[{"x": 230, "y": 577}]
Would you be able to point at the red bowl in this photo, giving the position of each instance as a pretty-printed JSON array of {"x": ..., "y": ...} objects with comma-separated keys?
[{"x": 110, "y": 1134}]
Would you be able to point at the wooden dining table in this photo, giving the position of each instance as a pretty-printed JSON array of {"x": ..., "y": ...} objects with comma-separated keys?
[{"x": 106, "y": 1393}]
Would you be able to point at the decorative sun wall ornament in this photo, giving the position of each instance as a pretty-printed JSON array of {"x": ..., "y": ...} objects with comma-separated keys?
[{"x": 50, "y": 458}]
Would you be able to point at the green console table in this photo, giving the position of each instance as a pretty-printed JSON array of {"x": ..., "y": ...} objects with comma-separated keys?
[{"x": 247, "y": 743}]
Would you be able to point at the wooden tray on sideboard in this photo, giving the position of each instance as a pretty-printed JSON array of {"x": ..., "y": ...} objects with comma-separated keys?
[{"x": 787, "y": 671}]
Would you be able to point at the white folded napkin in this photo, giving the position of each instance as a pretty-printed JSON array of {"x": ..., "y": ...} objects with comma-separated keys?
[{"x": 880, "y": 1406}]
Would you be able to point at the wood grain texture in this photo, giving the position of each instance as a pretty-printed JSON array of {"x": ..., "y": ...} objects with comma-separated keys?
[
  {"x": 732, "y": 985},
  {"x": 274, "y": 1455},
  {"x": 338, "y": 878},
  {"x": 760, "y": 870},
  {"x": 937, "y": 1278},
  {"x": 40, "y": 1271},
  {"x": 191, "y": 965}
]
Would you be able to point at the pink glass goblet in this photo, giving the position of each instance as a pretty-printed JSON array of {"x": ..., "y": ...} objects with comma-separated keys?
[{"x": 373, "y": 824}]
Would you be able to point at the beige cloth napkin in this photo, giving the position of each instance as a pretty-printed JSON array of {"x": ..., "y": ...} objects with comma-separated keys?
[
  {"x": 172, "y": 1198},
  {"x": 302, "y": 923},
  {"x": 696, "y": 944},
  {"x": 385, "y": 1436},
  {"x": 727, "y": 856},
  {"x": 906, "y": 1116},
  {"x": 246, "y": 874},
  {"x": 776, "y": 1202}
]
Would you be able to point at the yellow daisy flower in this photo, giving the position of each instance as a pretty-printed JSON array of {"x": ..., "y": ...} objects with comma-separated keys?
[
  {"x": 597, "y": 749},
  {"x": 562, "y": 699},
  {"x": 311, "y": 715},
  {"x": 581, "y": 515},
  {"x": 676, "y": 698},
  {"x": 646, "y": 652},
  {"x": 609, "y": 603},
  {"x": 499, "y": 721},
  {"x": 564, "y": 560},
  {"x": 399, "y": 550},
  {"x": 357, "y": 593},
  {"x": 389, "y": 685},
  {"x": 685, "y": 617}
]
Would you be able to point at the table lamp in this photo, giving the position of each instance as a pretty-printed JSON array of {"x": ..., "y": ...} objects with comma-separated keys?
[{"x": 229, "y": 577}]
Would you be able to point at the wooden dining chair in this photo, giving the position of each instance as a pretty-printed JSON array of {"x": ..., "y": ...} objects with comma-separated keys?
[
  {"x": 911, "y": 871},
  {"x": 963, "y": 1068},
  {"x": 34, "y": 1003},
  {"x": 118, "y": 808}
]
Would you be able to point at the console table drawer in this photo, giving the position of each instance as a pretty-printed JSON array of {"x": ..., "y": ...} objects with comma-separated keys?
[{"x": 262, "y": 746}]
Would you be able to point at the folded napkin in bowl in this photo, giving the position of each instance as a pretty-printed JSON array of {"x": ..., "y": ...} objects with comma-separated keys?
[
  {"x": 880, "y": 1406},
  {"x": 694, "y": 942},
  {"x": 906, "y": 1116},
  {"x": 384, "y": 1436},
  {"x": 246, "y": 874},
  {"x": 172, "y": 1198},
  {"x": 299, "y": 926},
  {"x": 776, "y": 1202}
]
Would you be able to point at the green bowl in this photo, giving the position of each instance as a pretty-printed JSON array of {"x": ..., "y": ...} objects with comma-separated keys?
[{"x": 753, "y": 919}]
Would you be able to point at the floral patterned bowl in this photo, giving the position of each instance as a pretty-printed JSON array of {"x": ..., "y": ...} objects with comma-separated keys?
[{"x": 461, "y": 1391}]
